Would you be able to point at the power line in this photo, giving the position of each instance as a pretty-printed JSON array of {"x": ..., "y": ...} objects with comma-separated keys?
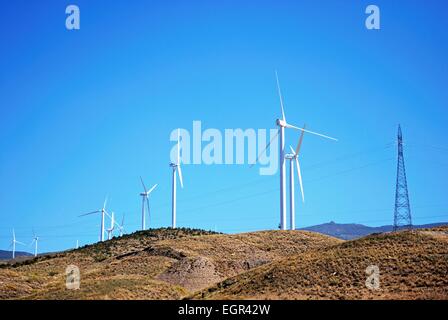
[
  {"x": 222, "y": 203},
  {"x": 277, "y": 188},
  {"x": 264, "y": 179}
]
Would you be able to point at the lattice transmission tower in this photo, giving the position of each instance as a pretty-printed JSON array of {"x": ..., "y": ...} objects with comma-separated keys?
[{"x": 402, "y": 215}]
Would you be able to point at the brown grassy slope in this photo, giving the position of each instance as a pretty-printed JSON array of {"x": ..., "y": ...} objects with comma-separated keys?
[
  {"x": 158, "y": 264},
  {"x": 412, "y": 264}
]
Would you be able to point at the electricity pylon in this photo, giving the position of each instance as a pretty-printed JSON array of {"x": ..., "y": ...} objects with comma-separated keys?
[{"x": 402, "y": 215}]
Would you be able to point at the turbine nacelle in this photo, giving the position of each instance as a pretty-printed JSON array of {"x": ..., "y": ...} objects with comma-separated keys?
[{"x": 281, "y": 123}]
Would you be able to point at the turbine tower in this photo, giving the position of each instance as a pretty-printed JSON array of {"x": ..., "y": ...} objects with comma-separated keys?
[
  {"x": 176, "y": 168},
  {"x": 103, "y": 213},
  {"x": 402, "y": 215},
  {"x": 294, "y": 157},
  {"x": 145, "y": 200},
  {"x": 112, "y": 226},
  {"x": 35, "y": 242},
  {"x": 13, "y": 244},
  {"x": 282, "y": 125}
]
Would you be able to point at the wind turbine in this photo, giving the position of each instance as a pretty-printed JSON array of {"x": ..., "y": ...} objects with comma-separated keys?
[
  {"x": 35, "y": 242},
  {"x": 13, "y": 244},
  {"x": 145, "y": 198},
  {"x": 282, "y": 125},
  {"x": 77, "y": 244},
  {"x": 294, "y": 157},
  {"x": 112, "y": 227},
  {"x": 103, "y": 213},
  {"x": 176, "y": 168}
]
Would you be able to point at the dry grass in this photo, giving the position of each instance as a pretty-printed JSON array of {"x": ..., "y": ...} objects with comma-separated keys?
[
  {"x": 183, "y": 263},
  {"x": 156, "y": 264},
  {"x": 413, "y": 265}
]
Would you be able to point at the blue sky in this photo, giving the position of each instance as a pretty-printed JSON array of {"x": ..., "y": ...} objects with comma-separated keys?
[{"x": 84, "y": 113}]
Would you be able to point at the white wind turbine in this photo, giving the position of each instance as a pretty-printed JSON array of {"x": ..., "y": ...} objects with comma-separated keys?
[
  {"x": 13, "y": 244},
  {"x": 282, "y": 124},
  {"x": 294, "y": 157},
  {"x": 145, "y": 200},
  {"x": 35, "y": 242},
  {"x": 176, "y": 168},
  {"x": 103, "y": 213},
  {"x": 112, "y": 226}
]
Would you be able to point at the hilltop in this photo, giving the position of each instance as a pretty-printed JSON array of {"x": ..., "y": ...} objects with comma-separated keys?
[
  {"x": 412, "y": 264},
  {"x": 154, "y": 264}
]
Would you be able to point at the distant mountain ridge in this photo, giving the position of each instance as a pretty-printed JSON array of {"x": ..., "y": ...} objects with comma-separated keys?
[
  {"x": 6, "y": 255},
  {"x": 349, "y": 231}
]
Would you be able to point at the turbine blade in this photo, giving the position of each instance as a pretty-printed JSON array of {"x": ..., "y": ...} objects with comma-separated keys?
[
  {"x": 21, "y": 243},
  {"x": 281, "y": 97},
  {"x": 311, "y": 132},
  {"x": 292, "y": 150},
  {"x": 179, "y": 172},
  {"x": 300, "y": 141},
  {"x": 178, "y": 147},
  {"x": 299, "y": 173},
  {"x": 143, "y": 184},
  {"x": 105, "y": 202},
  {"x": 267, "y": 146},
  {"x": 152, "y": 189},
  {"x": 14, "y": 234},
  {"x": 86, "y": 214}
]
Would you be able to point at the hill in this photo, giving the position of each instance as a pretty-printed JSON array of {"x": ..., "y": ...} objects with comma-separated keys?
[
  {"x": 351, "y": 231},
  {"x": 412, "y": 265},
  {"x": 154, "y": 264}
]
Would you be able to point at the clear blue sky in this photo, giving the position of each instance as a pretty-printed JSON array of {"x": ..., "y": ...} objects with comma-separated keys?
[{"x": 85, "y": 113}]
